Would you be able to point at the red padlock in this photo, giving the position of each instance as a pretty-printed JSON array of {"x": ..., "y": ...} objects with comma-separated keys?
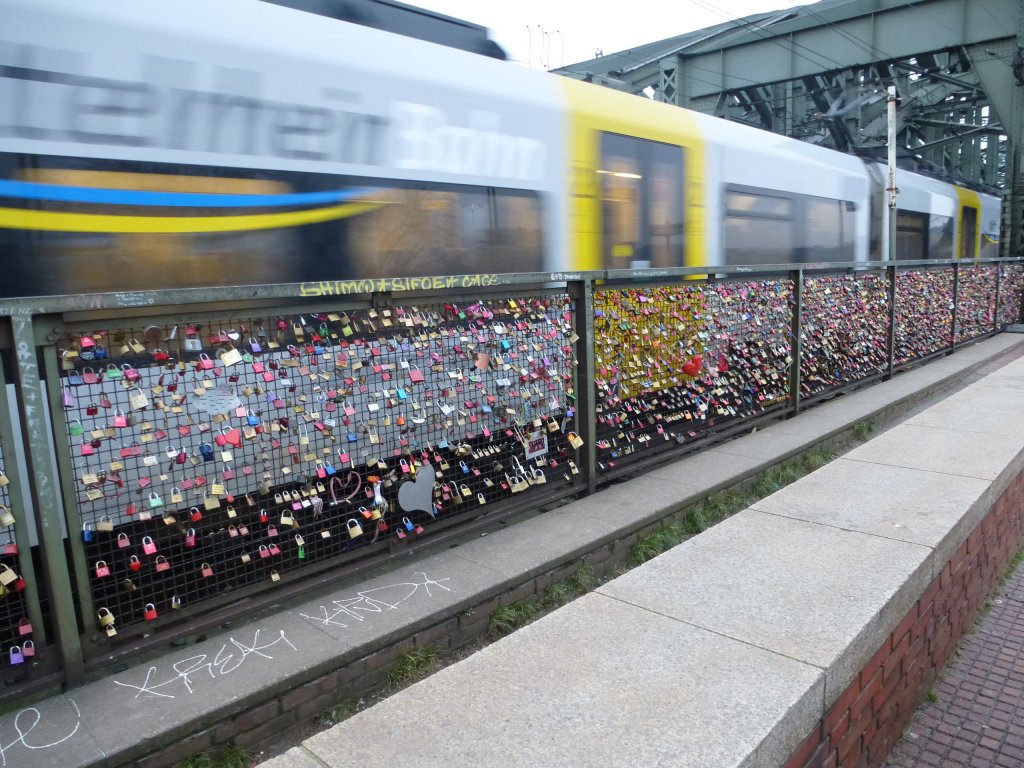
[
  {"x": 134, "y": 563},
  {"x": 149, "y": 612}
]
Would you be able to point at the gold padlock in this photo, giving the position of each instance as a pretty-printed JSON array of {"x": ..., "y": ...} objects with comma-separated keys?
[{"x": 106, "y": 618}]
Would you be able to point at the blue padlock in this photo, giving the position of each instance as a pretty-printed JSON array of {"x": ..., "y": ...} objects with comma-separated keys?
[
  {"x": 86, "y": 532},
  {"x": 206, "y": 450},
  {"x": 253, "y": 419},
  {"x": 17, "y": 657}
]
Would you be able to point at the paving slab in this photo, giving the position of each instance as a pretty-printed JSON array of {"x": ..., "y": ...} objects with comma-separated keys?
[
  {"x": 954, "y": 452},
  {"x": 599, "y": 682},
  {"x": 814, "y": 593},
  {"x": 769, "y": 443},
  {"x": 390, "y": 606},
  {"x": 50, "y": 734},
  {"x": 709, "y": 469},
  {"x": 296, "y": 757},
  {"x": 531, "y": 546},
  {"x": 974, "y": 410},
  {"x": 146, "y": 703},
  {"x": 927, "y": 508}
]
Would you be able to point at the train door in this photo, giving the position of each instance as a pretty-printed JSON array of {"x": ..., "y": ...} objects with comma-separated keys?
[
  {"x": 641, "y": 203},
  {"x": 968, "y": 232}
]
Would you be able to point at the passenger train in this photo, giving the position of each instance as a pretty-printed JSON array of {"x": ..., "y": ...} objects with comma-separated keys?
[{"x": 159, "y": 143}]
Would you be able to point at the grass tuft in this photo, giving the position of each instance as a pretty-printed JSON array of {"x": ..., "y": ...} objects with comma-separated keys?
[
  {"x": 335, "y": 714},
  {"x": 509, "y": 618},
  {"x": 229, "y": 756},
  {"x": 653, "y": 545},
  {"x": 412, "y": 666}
]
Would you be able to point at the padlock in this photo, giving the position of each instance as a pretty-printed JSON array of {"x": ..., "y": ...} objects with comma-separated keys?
[
  {"x": 148, "y": 546},
  {"x": 86, "y": 532},
  {"x": 24, "y": 627},
  {"x": 575, "y": 440},
  {"x": 134, "y": 563},
  {"x": 206, "y": 570},
  {"x": 354, "y": 528},
  {"x": 16, "y": 656},
  {"x": 190, "y": 537},
  {"x": 102, "y": 569},
  {"x": 155, "y": 500},
  {"x": 162, "y": 564},
  {"x": 28, "y": 649},
  {"x": 6, "y": 518},
  {"x": 7, "y": 575},
  {"x": 264, "y": 551},
  {"x": 195, "y": 515},
  {"x": 105, "y": 617},
  {"x": 275, "y": 576},
  {"x": 149, "y": 612}
]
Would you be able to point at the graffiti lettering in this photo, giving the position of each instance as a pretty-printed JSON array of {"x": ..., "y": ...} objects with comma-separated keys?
[
  {"x": 370, "y": 601},
  {"x": 383, "y": 285},
  {"x": 223, "y": 663},
  {"x": 25, "y": 722}
]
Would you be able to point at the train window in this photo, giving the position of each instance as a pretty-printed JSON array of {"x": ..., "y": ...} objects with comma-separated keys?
[
  {"x": 828, "y": 230},
  {"x": 940, "y": 237},
  {"x": 641, "y": 202},
  {"x": 441, "y": 232},
  {"x": 759, "y": 228},
  {"x": 750, "y": 204},
  {"x": 911, "y": 235}
]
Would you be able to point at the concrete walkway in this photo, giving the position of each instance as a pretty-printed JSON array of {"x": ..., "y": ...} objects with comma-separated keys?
[{"x": 977, "y": 719}]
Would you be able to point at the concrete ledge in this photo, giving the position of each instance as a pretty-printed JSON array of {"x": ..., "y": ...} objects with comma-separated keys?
[{"x": 254, "y": 680}]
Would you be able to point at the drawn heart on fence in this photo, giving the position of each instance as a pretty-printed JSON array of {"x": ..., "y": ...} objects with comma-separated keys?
[{"x": 418, "y": 494}]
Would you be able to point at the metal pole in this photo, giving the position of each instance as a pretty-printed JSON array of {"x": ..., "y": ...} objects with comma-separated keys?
[
  {"x": 956, "y": 306},
  {"x": 892, "y": 189},
  {"x": 796, "y": 343},
  {"x": 47, "y": 498},
  {"x": 582, "y": 293},
  {"x": 890, "y": 341}
]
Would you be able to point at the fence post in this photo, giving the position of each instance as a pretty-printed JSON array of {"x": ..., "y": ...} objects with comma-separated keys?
[
  {"x": 19, "y": 498},
  {"x": 995, "y": 313},
  {"x": 47, "y": 501},
  {"x": 890, "y": 341},
  {"x": 956, "y": 306},
  {"x": 796, "y": 343},
  {"x": 582, "y": 293}
]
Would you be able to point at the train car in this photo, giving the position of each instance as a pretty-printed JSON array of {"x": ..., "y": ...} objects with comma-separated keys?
[{"x": 173, "y": 144}]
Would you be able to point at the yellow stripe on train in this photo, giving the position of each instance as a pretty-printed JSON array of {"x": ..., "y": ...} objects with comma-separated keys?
[{"x": 57, "y": 221}]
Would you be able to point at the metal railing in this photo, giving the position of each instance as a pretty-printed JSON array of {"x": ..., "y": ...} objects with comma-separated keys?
[{"x": 192, "y": 455}]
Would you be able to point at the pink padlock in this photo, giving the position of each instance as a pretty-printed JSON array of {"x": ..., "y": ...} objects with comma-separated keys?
[{"x": 148, "y": 546}]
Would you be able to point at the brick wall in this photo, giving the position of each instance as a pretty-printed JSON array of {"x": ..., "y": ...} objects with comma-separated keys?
[{"x": 868, "y": 718}]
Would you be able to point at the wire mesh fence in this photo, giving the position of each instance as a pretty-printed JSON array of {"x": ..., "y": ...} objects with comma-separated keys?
[{"x": 215, "y": 456}]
